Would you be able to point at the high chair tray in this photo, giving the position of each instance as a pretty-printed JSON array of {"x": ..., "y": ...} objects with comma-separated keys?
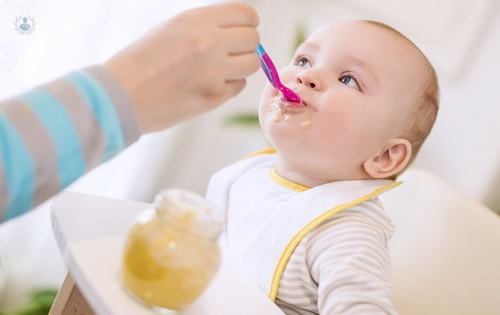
[{"x": 90, "y": 231}]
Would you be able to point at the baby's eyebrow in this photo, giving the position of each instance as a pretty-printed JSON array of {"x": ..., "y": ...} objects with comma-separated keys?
[
  {"x": 308, "y": 46},
  {"x": 367, "y": 68}
]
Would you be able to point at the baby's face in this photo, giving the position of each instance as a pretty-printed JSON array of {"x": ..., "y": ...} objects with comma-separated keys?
[{"x": 358, "y": 81}]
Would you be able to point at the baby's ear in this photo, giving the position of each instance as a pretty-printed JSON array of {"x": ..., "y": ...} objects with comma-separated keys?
[{"x": 391, "y": 160}]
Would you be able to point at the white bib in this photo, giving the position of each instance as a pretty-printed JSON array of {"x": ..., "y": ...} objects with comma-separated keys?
[{"x": 265, "y": 254}]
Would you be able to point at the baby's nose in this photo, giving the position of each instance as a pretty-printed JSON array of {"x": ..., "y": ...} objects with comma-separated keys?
[{"x": 308, "y": 78}]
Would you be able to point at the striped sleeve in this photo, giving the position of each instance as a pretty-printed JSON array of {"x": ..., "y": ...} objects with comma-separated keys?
[
  {"x": 55, "y": 133},
  {"x": 342, "y": 267}
]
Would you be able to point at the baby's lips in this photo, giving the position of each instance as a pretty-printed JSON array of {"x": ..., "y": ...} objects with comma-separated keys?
[
  {"x": 286, "y": 103},
  {"x": 295, "y": 105},
  {"x": 291, "y": 106}
]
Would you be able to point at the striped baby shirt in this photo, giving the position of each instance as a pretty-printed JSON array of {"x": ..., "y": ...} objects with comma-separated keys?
[
  {"x": 55, "y": 133},
  {"x": 342, "y": 266}
]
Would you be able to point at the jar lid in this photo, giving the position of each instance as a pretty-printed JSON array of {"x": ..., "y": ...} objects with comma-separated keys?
[{"x": 190, "y": 211}]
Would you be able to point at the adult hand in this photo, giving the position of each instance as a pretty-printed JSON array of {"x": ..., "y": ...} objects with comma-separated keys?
[{"x": 189, "y": 64}]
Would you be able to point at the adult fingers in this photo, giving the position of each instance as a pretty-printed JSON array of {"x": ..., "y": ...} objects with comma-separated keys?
[
  {"x": 240, "y": 39},
  {"x": 230, "y": 14},
  {"x": 231, "y": 89},
  {"x": 242, "y": 65}
]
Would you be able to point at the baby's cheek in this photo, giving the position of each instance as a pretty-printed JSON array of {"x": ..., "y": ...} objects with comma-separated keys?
[{"x": 262, "y": 119}]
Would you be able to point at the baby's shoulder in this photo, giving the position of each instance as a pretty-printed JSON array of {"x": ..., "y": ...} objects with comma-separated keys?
[{"x": 366, "y": 218}]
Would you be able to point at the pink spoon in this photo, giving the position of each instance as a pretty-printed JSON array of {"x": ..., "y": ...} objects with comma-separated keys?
[{"x": 274, "y": 79}]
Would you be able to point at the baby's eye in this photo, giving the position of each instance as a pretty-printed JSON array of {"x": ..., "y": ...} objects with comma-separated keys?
[
  {"x": 350, "y": 81},
  {"x": 301, "y": 61}
]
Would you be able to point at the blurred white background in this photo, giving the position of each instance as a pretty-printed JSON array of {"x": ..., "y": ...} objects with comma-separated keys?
[{"x": 461, "y": 38}]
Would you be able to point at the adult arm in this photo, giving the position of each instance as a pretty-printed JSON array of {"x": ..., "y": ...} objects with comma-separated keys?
[{"x": 55, "y": 133}]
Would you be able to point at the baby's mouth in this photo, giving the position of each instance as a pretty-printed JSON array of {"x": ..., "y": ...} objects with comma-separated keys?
[
  {"x": 291, "y": 106},
  {"x": 283, "y": 111}
]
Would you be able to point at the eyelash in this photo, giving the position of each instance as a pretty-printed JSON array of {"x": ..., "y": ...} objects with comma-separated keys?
[
  {"x": 299, "y": 58},
  {"x": 353, "y": 77}
]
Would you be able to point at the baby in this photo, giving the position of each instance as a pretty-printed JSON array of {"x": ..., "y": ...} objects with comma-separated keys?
[{"x": 304, "y": 219}]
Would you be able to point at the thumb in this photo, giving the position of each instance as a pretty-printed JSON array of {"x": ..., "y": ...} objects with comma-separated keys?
[{"x": 233, "y": 88}]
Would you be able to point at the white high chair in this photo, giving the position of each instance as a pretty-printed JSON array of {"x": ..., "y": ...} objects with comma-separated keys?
[{"x": 446, "y": 249}]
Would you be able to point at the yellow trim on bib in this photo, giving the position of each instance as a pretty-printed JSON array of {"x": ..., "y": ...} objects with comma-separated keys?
[
  {"x": 286, "y": 183},
  {"x": 276, "y": 177},
  {"x": 269, "y": 150},
  {"x": 285, "y": 256}
]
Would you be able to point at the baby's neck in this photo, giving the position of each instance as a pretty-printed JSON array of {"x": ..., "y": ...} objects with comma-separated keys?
[{"x": 310, "y": 179}]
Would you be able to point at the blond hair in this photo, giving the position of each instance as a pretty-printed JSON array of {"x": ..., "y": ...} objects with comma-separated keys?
[{"x": 425, "y": 108}]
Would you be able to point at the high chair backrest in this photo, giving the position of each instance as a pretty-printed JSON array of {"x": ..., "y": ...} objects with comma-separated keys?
[{"x": 445, "y": 251}]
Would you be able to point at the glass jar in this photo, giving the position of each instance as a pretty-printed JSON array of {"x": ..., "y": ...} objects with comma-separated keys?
[{"x": 171, "y": 252}]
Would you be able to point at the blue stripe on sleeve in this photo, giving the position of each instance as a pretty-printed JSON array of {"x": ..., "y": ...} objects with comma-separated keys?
[
  {"x": 105, "y": 112},
  {"x": 56, "y": 120},
  {"x": 18, "y": 168}
]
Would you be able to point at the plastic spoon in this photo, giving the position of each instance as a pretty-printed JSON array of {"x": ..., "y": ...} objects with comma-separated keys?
[{"x": 274, "y": 79}]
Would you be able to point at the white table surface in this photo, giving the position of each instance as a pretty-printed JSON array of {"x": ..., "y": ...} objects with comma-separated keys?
[{"x": 91, "y": 230}]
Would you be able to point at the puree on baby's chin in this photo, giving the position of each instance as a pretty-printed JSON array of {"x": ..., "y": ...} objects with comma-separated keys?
[{"x": 281, "y": 114}]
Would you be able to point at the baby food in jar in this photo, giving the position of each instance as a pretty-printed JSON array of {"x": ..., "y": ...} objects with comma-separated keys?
[{"x": 171, "y": 252}]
